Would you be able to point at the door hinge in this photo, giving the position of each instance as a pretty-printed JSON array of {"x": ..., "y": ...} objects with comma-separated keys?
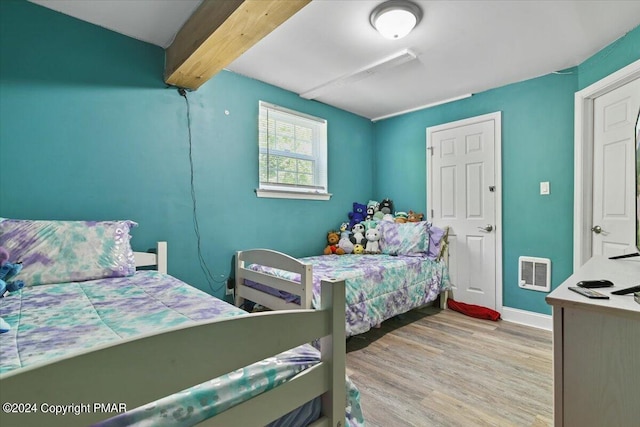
[
  {"x": 430, "y": 149},
  {"x": 431, "y": 213}
]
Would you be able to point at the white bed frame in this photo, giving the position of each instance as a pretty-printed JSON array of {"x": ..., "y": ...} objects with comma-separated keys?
[
  {"x": 141, "y": 370},
  {"x": 281, "y": 261},
  {"x": 157, "y": 259}
]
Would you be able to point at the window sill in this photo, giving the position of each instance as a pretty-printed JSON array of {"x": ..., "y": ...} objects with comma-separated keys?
[{"x": 279, "y": 194}]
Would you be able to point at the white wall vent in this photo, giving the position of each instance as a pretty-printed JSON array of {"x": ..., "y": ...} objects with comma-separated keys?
[{"x": 534, "y": 273}]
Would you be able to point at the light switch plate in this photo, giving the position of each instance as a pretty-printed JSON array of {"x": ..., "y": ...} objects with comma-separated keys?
[{"x": 544, "y": 188}]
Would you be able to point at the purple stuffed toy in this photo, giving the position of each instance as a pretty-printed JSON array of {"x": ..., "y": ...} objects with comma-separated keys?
[{"x": 358, "y": 215}]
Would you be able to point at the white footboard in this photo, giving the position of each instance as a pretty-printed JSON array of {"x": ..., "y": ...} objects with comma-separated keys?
[
  {"x": 278, "y": 260},
  {"x": 142, "y": 370}
]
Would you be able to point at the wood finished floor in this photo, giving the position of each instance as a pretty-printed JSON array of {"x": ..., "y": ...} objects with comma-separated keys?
[{"x": 433, "y": 367}]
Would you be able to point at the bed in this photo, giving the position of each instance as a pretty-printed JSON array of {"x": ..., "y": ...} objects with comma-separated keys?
[
  {"x": 143, "y": 348},
  {"x": 411, "y": 272}
]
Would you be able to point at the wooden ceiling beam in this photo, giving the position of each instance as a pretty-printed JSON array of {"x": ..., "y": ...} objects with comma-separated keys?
[{"x": 217, "y": 33}]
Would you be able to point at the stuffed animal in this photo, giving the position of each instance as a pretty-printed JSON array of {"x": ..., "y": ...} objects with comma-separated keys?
[
  {"x": 388, "y": 218},
  {"x": 370, "y": 212},
  {"x": 386, "y": 206},
  {"x": 357, "y": 215},
  {"x": 345, "y": 244},
  {"x": 344, "y": 229},
  {"x": 345, "y": 238},
  {"x": 372, "y": 235},
  {"x": 358, "y": 234},
  {"x": 333, "y": 237},
  {"x": 369, "y": 223},
  {"x": 414, "y": 217},
  {"x": 401, "y": 217},
  {"x": 358, "y": 249},
  {"x": 8, "y": 270}
]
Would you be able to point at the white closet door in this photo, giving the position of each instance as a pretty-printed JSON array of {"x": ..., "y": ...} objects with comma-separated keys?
[
  {"x": 463, "y": 196},
  {"x": 614, "y": 205}
]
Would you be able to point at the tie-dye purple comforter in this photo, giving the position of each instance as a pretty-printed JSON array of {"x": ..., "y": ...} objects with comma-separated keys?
[
  {"x": 51, "y": 321},
  {"x": 378, "y": 287}
]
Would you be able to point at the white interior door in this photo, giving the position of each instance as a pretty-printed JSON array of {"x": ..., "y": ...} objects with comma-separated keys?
[
  {"x": 614, "y": 205},
  {"x": 463, "y": 195}
]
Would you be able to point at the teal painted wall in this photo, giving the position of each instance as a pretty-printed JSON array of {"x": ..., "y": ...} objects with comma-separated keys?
[
  {"x": 90, "y": 131},
  {"x": 617, "y": 55},
  {"x": 97, "y": 135},
  {"x": 537, "y": 145}
]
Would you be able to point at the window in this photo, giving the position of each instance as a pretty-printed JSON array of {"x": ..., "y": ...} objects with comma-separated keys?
[{"x": 293, "y": 154}]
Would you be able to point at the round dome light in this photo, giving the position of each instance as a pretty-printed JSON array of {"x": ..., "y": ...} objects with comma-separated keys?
[{"x": 395, "y": 19}]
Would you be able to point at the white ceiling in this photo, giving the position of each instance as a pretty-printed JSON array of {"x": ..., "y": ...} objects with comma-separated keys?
[{"x": 462, "y": 47}]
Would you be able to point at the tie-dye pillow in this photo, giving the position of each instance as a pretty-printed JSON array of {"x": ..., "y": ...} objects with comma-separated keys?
[
  {"x": 68, "y": 251},
  {"x": 404, "y": 238}
]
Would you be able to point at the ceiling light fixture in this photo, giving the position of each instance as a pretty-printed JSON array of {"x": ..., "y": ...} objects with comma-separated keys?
[{"x": 394, "y": 19}]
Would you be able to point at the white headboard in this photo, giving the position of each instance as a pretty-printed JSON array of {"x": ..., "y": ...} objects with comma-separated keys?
[{"x": 158, "y": 259}]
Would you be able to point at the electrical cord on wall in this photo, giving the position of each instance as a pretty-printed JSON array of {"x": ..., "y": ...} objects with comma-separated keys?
[{"x": 196, "y": 227}]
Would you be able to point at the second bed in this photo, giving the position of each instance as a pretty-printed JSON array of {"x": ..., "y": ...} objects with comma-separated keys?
[{"x": 378, "y": 287}]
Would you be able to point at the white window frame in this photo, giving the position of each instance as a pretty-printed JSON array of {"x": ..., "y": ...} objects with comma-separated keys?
[{"x": 288, "y": 191}]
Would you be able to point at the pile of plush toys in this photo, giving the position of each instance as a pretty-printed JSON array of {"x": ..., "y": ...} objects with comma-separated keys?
[
  {"x": 8, "y": 271},
  {"x": 361, "y": 235}
]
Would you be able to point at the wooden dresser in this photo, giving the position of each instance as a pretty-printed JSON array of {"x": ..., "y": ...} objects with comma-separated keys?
[{"x": 596, "y": 349}]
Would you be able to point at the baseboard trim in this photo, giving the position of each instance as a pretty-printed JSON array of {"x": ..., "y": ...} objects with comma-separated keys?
[{"x": 528, "y": 318}]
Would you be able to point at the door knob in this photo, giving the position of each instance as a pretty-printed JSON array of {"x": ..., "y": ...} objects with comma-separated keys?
[
  {"x": 596, "y": 229},
  {"x": 488, "y": 228}
]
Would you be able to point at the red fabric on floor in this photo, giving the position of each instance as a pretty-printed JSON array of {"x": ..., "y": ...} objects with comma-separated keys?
[{"x": 473, "y": 310}]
